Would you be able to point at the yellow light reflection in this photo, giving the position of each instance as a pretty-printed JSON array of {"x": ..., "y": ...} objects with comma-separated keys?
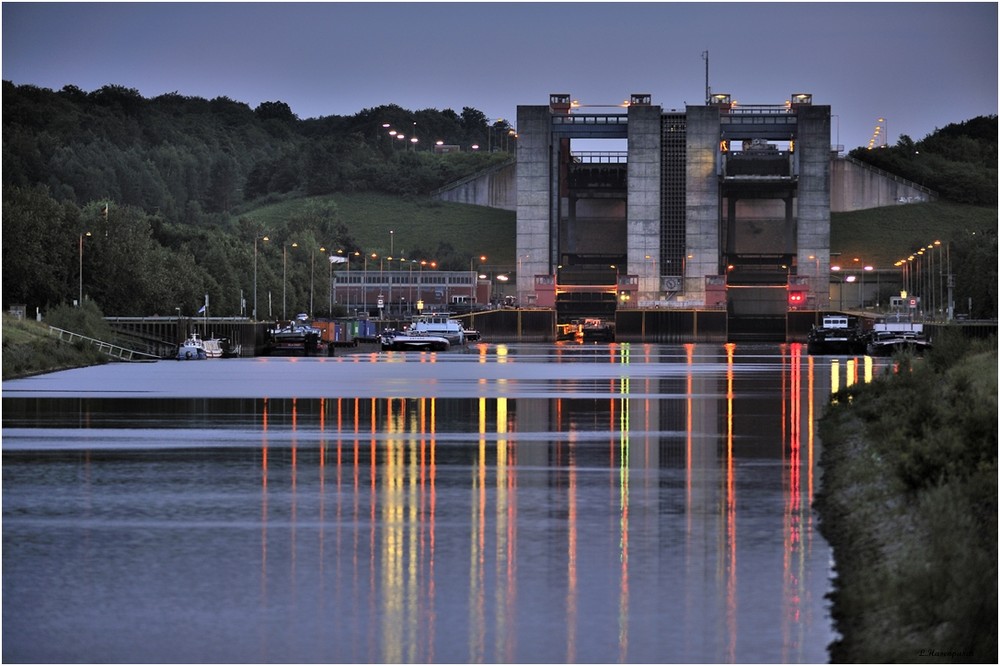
[
  {"x": 730, "y": 555},
  {"x": 623, "y": 500},
  {"x": 571, "y": 552}
]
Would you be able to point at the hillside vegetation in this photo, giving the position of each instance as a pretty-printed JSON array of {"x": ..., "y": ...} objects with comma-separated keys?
[
  {"x": 909, "y": 505},
  {"x": 959, "y": 160},
  {"x": 147, "y": 205}
]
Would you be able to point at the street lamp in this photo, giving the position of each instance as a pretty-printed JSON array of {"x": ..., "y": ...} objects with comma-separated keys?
[
  {"x": 862, "y": 267},
  {"x": 312, "y": 278},
  {"x": 365, "y": 285},
  {"x": 80, "y": 302},
  {"x": 255, "y": 239},
  {"x": 284, "y": 278}
]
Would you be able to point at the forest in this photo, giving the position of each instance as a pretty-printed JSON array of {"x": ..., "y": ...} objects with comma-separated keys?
[
  {"x": 148, "y": 197},
  {"x": 151, "y": 199}
]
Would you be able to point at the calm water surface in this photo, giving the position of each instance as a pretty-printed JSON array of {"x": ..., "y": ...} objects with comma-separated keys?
[{"x": 518, "y": 503}]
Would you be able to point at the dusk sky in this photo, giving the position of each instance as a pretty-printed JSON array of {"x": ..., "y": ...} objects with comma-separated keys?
[{"x": 918, "y": 65}]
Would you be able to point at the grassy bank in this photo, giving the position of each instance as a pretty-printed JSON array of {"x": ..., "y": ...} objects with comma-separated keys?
[
  {"x": 414, "y": 222},
  {"x": 909, "y": 505},
  {"x": 28, "y": 349}
]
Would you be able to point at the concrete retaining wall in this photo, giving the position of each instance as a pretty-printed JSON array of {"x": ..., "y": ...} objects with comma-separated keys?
[
  {"x": 493, "y": 188},
  {"x": 857, "y": 186},
  {"x": 853, "y": 186}
]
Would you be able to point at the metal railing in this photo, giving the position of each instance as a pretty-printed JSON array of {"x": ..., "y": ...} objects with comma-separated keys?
[{"x": 115, "y": 351}]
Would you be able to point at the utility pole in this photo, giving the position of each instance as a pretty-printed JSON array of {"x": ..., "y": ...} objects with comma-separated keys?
[{"x": 951, "y": 285}]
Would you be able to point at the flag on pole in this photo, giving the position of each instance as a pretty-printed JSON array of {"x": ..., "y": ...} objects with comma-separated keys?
[{"x": 201, "y": 310}]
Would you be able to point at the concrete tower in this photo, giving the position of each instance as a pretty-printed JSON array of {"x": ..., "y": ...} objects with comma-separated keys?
[{"x": 714, "y": 206}]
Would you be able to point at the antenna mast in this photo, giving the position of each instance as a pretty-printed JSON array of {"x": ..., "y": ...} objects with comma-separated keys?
[{"x": 708, "y": 91}]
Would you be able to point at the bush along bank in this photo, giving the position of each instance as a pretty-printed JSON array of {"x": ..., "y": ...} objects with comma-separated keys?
[{"x": 909, "y": 506}]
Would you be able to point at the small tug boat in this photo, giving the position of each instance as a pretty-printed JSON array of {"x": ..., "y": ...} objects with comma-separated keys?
[
  {"x": 297, "y": 337},
  {"x": 413, "y": 341},
  {"x": 896, "y": 334},
  {"x": 192, "y": 349},
  {"x": 439, "y": 325},
  {"x": 590, "y": 329},
  {"x": 836, "y": 335}
]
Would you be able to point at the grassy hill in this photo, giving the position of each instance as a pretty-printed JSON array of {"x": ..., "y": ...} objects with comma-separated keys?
[
  {"x": 420, "y": 225},
  {"x": 882, "y": 236}
]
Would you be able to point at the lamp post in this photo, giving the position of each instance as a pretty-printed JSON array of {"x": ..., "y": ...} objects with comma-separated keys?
[
  {"x": 365, "y": 291},
  {"x": 410, "y": 290},
  {"x": 474, "y": 287},
  {"x": 312, "y": 278},
  {"x": 80, "y": 302},
  {"x": 255, "y": 239},
  {"x": 862, "y": 267},
  {"x": 420, "y": 286},
  {"x": 284, "y": 279},
  {"x": 350, "y": 294},
  {"x": 330, "y": 282}
]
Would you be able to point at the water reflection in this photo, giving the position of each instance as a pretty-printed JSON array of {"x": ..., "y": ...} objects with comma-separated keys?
[{"x": 661, "y": 515}]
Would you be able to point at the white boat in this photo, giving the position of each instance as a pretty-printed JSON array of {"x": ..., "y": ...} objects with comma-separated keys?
[
  {"x": 192, "y": 349},
  {"x": 439, "y": 325},
  {"x": 895, "y": 334},
  {"x": 413, "y": 341},
  {"x": 213, "y": 348}
]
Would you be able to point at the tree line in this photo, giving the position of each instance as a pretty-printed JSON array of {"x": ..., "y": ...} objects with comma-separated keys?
[
  {"x": 958, "y": 161},
  {"x": 144, "y": 198},
  {"x": 186, "y": 158}
]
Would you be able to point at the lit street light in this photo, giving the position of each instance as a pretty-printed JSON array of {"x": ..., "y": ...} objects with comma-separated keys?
[
  {"x": 80, "y": 302},
  {"x": 255, "y": 239},
  {"x": 284, "y": 278}
]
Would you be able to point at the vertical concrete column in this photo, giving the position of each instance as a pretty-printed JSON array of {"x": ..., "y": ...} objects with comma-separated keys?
[
  {"x": 703, "y": 215},
  {"x": 643, "y": 203},
  {"x": 534, "y": 189},
  {"x": 813, "y": 235}
]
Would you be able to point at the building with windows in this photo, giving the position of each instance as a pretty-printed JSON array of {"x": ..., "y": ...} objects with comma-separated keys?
[{"x": 405, "y": 292}]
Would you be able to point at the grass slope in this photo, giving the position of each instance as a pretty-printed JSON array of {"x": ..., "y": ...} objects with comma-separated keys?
[
  {"x": 882, "y": 236},
  {"x": 419, "y": 224},
  {"x": 28, "y": 349}
]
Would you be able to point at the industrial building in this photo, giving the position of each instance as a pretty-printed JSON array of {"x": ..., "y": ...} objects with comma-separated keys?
[{"x": 717, "y": 206}]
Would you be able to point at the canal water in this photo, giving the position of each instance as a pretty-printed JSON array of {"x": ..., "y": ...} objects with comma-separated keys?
[{"x": 504, "y": 503}]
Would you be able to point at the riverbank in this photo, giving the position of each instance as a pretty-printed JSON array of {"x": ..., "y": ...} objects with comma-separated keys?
[
  {"x": 28, "y": 350},
  {"x": 909, "y": 505}
]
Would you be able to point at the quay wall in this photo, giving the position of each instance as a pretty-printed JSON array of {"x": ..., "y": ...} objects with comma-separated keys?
[{"x": 161, "y": 335}]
